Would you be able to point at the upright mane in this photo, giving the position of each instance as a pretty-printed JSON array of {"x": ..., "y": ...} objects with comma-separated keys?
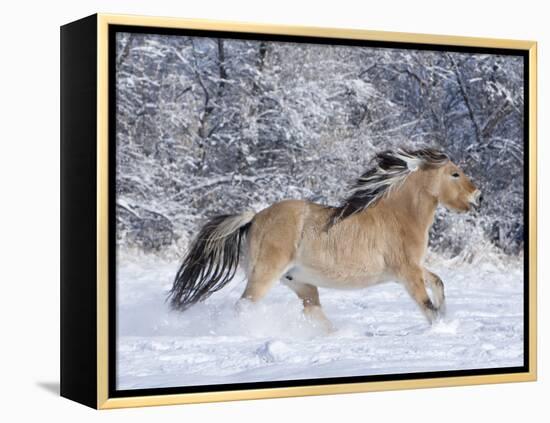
[{"x": 390, "y": 169}]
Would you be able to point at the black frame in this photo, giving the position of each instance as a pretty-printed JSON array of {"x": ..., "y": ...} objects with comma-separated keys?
[{"x": 78, "y": 361}]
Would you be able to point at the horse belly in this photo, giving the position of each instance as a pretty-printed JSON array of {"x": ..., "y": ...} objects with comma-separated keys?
[{"x": 343, "y": 279}]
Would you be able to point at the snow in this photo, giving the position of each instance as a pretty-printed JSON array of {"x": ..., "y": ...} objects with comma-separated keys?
[{"x": 378, "y": 330}]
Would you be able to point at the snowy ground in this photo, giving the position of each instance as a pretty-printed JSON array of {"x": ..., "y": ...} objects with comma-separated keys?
[{"x": 378, "y": 330}]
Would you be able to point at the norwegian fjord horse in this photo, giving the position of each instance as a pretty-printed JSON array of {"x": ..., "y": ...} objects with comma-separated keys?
[{"x": 379, "y": 233}]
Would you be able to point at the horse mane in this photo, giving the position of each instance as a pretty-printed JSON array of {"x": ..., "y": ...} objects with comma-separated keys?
[{"x": 390, "y": 169}]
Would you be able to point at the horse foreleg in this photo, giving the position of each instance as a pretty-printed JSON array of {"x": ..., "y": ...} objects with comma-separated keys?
[
  {"x": 414, "y": 282},
  {"x": 438, "y": 289},
  {"x": 309, "y": 295}
]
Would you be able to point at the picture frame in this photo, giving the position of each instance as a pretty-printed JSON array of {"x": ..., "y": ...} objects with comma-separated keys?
[{"x": 88, "y": 214}]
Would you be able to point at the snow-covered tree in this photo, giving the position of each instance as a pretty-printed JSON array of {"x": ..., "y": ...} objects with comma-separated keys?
[{"x": 207, "y": 126}]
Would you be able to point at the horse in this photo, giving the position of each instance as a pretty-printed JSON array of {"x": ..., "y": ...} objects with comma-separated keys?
[{"x": 379, "y": 233}]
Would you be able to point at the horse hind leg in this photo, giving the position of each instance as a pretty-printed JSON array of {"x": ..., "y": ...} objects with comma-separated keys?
[
  {"x": 309, "y": 295},
  {"x": 270, "y": 265},
  {"x": 260, "y": 281},
  {"x": 272, "y": 244}
]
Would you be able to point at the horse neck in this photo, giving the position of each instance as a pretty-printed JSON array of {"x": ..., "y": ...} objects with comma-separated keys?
[{"x": 414, "y": 201}]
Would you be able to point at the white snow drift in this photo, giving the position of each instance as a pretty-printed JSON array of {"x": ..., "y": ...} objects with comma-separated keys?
[{"x": 379, "y": 330}]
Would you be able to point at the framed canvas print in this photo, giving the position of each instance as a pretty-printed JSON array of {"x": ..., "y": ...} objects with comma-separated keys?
[{"x": 255, "y": 211}]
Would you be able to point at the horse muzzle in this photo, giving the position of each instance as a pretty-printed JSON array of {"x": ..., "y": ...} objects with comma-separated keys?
[{"x": 476, "y": 199}]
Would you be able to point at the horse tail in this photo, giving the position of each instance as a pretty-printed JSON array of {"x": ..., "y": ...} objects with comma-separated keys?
[{"x": 211, "y": 260}]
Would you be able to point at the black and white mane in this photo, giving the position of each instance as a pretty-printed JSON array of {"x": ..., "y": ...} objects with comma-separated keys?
[{"x": 390, "y": 169}]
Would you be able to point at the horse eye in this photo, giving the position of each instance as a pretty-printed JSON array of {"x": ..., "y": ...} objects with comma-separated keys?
[{"x": 455, "y": 175}]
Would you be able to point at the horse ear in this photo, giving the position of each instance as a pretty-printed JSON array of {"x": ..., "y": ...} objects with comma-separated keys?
[
  {"x": 413, "y": 165},
  {"x": 411, "y": 161}
]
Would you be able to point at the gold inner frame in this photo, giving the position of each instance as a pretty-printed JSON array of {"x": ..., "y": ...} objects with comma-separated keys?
[{"x": 103, "y": 22}]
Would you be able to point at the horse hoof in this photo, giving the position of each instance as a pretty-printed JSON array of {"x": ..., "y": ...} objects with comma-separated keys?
[{"x": 316, "y": 316}]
